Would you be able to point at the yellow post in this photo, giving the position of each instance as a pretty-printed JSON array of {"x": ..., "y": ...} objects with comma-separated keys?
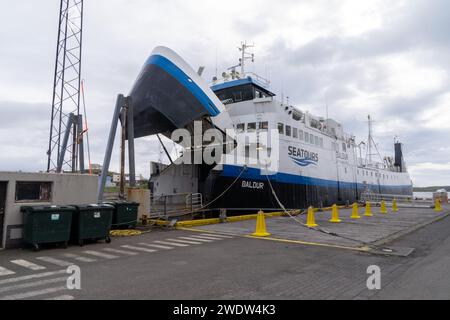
[
  {"x": 368, "y": 210},
  {"x": 335, "y": 215},
  {"x": 437, "y": 206},
  {"x": 311, "y": 220},
  {"x": 261, "y": 230},
  {"x": 394, "y": 206},
  {"x": 355, "y": 212},
  {"x": 383, "y": 207}
]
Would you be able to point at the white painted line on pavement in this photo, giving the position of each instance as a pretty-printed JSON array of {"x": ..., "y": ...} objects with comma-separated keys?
[
  {"x": 28, "y": 265},
  {"x": 101, "y": 255},
  {"x": 184, "y": 241},
  {"x": 5, "y": 272},
  {"x": 32, "y": 284},
  {"x": 79, "y": 258},
  {"x": 216, "y": 235},
  {"x": 168, "y": 243},
  {"x": 32, "y": 276},
  {"x": 128, "y": 253},
  {"x": 195, "y": 239},
  {"x": 156, "y": 246},
  {"x": 55, "y": 261},
  {"x": 208, "y": 238},
  {"x": 66, "y": 297},
  {"x": 33, "y": 294},
  {"x": 139, "y": 249}
]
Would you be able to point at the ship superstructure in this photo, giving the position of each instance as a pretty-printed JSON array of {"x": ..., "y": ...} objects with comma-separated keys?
[{"x": 319, "y": 163}]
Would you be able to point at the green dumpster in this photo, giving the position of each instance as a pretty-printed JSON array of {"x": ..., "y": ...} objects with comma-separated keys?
[
  {"x": 125, "y": 214},
  {"x": 92, "y": 222},
  {"x": 47, "y": 224}
]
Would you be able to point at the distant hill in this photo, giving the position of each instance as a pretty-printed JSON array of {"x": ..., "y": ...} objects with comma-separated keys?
[{"x": 431, "y": 189}]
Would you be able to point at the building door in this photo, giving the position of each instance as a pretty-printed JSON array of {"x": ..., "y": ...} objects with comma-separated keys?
[{"x": 3, "y": 186}]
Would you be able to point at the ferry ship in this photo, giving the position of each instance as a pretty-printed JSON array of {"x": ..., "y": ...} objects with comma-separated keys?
[{"x": 319, "y": 163}]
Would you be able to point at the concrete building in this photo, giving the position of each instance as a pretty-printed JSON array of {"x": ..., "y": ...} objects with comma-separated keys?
[{"x": 19, "y": 189}]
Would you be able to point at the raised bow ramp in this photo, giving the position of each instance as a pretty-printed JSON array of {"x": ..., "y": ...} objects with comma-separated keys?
[{"x": 168, "y": 94}]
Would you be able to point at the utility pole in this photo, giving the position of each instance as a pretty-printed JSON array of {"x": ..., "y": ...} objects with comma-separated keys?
[{"x": 65, "y": 147}]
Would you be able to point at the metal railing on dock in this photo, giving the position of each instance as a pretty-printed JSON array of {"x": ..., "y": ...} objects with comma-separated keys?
[
  {"x": 175, "y": 205},
  {"x": 409, "y": 201}
]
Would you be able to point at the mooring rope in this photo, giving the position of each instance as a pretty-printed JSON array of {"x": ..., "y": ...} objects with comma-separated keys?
[{"x": 315, "y": 229}]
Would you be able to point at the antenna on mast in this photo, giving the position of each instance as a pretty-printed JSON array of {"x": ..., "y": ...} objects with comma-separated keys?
[
  {"x": 245, "y": 55},
  {"x": 371, "y": 144}
]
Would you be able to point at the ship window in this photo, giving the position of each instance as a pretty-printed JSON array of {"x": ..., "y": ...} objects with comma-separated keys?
[
  {"x": 251, "y": 127},
  {"x": 288, "y": 131},
  {"x": 300, "y": 136},
  {"x": 264, "y": 126},
  {"x": 294, "y": 132},
  {"x": 238, "y": 96},
  {"x": 281, "y": 128},
  {"x": 321, "y": 142},
  {"x": 258, "y": 94},
  {"x": 311, "y": 138},
  {"x": 316, "y": 140},
  {"x": 240, "y": 127},
  {"x": 247, "y": 152},
  {"x": 306, "y": 137},
  {"x": 344, "y": 147}
]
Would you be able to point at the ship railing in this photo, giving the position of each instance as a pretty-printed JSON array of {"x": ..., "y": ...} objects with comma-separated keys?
[
  {"x": 175, "y": 205},
  {"x": 402, "y": 200}
]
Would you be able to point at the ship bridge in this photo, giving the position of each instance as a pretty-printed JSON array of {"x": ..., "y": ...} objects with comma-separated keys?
[{"x": 239, "y": 90}]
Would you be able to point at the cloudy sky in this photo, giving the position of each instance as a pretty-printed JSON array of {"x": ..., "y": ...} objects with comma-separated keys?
[{"x": 387, "y": 58}]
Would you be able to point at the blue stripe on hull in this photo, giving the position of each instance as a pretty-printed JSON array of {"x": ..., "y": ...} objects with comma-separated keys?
[
  {"x": 178, "y": 74},
  {"x": 255, "y": 174}
]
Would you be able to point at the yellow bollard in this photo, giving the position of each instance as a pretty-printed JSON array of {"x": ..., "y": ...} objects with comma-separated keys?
[
  {"x": 261, "y": 230},
  {"x": 311, "y": 220},
  {"x": 368, "y": 210},
  {"x": 355, "y": 212},
  {"x": 335, "y": 215},
  {"x": 394, "y": 206},
  {"x": 383, "y": 209},
  {"x": 437, "y": 206}
]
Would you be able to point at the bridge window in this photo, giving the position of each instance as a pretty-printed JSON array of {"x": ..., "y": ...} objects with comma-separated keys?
[
  {"x": 288, "y": 131},
  {"x": 238, "y": 96},
  {"x": 240, "y": 127},
  {"x": 264, "y": 126},
  {"x": 251, "y": 127},
  {"x": 281, "y": 128},
  {"x": 294, "y": 132}
]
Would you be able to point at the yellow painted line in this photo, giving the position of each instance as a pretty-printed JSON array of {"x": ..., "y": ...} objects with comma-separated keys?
[
  {"x": 306, "y": 243},
  {"x": 206, "y": 222}
]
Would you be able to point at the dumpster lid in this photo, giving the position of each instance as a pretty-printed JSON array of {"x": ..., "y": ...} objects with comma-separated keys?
[
  {"x": 94, "y": 206},
  {"x": 47, "y": 208}
]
